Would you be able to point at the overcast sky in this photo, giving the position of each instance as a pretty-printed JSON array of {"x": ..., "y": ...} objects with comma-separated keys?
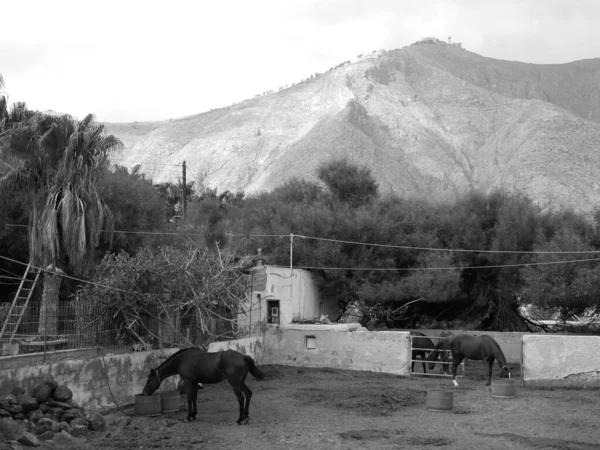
[{"x": 131, "y": 60}]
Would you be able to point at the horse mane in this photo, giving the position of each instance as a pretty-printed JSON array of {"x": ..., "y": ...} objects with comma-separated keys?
[
  {"x": 498, "y": 349},
  {"x": 177, "y": 353}
]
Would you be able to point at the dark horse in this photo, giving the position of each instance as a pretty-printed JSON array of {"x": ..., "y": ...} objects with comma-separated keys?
[
  {"x": 443, "y": 347},
  {"x": 197, "y": 366},
  {"x": 482, "y": 348},
  {"x": 421, "y": 345}
]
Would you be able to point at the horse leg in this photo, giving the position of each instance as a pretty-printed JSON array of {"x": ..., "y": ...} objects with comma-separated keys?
[
  {"x": 240, "y": 397},
  {"x": 455, "y": 364},
  {"x": 248, "y": 394},
  {"x": 192, "y": 402},
  {"x": 490, "y": 362}
]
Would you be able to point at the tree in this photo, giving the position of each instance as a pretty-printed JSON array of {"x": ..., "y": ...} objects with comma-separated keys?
[
  {"x": 57, "y": 162},
  {"x": 348, "y": 182},
  {"x": 566, "y": 288}
]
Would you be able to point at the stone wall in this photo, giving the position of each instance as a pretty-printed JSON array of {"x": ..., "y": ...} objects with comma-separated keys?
[
  {"x": 559, "y": 360},
  {"x": 89, "y": 378}
]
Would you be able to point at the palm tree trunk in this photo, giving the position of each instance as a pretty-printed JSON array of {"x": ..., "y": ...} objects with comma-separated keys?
[{"x": 49, "y": 308}]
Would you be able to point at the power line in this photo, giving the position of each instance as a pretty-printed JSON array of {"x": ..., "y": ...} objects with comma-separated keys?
[
  {"x": 455, "y": 250},
  {"x": 67, "y": 276},
  {"x": 407, "y": 269}
]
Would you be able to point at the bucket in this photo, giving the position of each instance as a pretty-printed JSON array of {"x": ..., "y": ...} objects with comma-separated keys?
[
  {"x": 169, "y": 401},
  {"x": 147, "y": 405},
  {"x": 440, "y": 400},
  {"x": 504, "y": 388}
]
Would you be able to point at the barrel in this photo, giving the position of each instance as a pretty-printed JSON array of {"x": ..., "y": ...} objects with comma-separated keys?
[
  {"x": 440, "y": 400},
  {"x": 169, "y": 401},
  {"x": 147, "y": 405},
  {"x": 504, "y": 388}
]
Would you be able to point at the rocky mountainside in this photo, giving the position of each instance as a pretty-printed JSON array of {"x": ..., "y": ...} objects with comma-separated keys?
[{"x": 430, "y": 120}]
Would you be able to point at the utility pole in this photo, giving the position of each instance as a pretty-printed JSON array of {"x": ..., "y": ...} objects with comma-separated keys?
[{"x": 183, "y": 189}]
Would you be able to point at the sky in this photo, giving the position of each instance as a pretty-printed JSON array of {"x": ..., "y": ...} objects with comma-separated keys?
[{"x": 147, "y": 60}]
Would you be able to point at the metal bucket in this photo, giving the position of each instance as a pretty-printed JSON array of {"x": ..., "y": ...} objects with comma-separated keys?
[
  {"x": 169, "y": 401},
  {"x": 147, "y": 405},
  {"x": 504, "y": 388},
  {"x": 440, "y": 400}
]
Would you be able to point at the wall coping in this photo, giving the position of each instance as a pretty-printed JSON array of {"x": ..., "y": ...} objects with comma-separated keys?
[{"x": 323, "y": 327}]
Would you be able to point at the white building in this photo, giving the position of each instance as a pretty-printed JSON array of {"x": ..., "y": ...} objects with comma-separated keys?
[{"x": 279, "y": 295}]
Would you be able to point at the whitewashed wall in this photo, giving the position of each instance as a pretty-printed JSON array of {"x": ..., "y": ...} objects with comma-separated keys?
[{"x": 559, "y": 360}]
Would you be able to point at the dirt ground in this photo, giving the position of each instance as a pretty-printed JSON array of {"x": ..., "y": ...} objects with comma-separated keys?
[{"x": 302, "y": 408}]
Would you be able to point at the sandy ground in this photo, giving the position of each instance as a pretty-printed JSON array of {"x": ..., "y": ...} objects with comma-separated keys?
[{"x": 301, "y": 408}]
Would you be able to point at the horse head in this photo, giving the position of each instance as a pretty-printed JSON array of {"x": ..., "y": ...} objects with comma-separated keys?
[
  {"x": 505, "y": 372},
  {"x": 152, "y": 383}
]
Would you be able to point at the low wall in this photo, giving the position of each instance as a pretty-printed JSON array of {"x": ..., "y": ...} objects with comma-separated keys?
[
  {"x": 556, "y": 360},
  {"x": 510, "y": 342},
  {"x": 88, "y": 378},
  {"x": 337, "y": 347},
  {"x": 252, "y": 346}
]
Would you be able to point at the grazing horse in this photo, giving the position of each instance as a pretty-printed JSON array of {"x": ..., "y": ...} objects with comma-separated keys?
[
  {"x": 442, "y": 347},
  {"x": 197, "y": 366},
  {"x": 482, "y": 348},
  {"x": 422, "y": 345}
]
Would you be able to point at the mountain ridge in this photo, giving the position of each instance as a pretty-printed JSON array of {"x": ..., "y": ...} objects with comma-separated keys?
[{"x": 430, "y": 120}]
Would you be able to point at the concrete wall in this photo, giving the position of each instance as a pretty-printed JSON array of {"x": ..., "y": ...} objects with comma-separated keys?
[
  {"x": 510, "y": 342},
  {"x": 252, "y": 346},
  {"x": 336, "y": 347},
  {"x": 88, "y": 378},
  {"x": 345, "y": 346},
  {"x": 558, "y": 360}
]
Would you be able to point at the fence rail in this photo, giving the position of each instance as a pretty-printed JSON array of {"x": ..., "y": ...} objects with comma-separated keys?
[{"x": 446, "y": 359}]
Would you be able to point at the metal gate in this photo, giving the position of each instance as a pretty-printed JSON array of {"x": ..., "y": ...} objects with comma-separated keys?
[{"x": 445, "y": 360}]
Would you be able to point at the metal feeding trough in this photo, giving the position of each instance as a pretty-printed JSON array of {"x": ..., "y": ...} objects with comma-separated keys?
[
  {"x": 440, "y": 400},
  {"x": 504, "y": 388},
  {"x": 147, "y": 405}
]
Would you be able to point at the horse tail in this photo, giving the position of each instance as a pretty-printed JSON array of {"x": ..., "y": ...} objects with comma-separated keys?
[{"x": 255, "y": 371}]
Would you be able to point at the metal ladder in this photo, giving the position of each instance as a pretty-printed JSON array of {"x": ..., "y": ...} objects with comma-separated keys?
[{"x": 19, "y": 304}]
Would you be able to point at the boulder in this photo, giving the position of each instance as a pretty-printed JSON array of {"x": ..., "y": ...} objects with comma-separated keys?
[
  {"x": 56, "y": 412},
  {"x": 64, "y": 440},
  {"x": 62, "y": 394},
  {"x": 11, "y": 429},
  {"x": 4, "y": 413},
  {"x": 42, "y": 392},
  {"x": 15, "y": 408},
  {"x": 44, "y": 424},
  {"x": 46, "y": 436},
  {"x": 97, "y": 422},
  {"x": 71, "y": 414},
  {"x": 35, "y": 415},
  {"x": 79, "y": 431},
  {"x": 64, "y": 426},
  {"x": 18, "y": 390},
  {"x": 28, "y": 440},
  {"x": 53, "y": 384},
  {"x": 62, "y": 405},
  {"x": 27, "y": 402}
]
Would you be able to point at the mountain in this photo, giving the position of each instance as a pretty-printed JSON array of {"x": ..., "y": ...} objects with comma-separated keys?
[{"x": 431, "y": 120}]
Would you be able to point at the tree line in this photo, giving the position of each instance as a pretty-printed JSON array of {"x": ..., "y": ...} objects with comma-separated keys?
[{"x": 469, "y": 264}]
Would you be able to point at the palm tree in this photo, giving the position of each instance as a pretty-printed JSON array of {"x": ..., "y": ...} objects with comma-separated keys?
[{"x": 58, "y": 161}]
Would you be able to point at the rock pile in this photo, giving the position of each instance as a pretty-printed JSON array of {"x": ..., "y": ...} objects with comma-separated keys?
[{"x": 47, "y": 414}]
